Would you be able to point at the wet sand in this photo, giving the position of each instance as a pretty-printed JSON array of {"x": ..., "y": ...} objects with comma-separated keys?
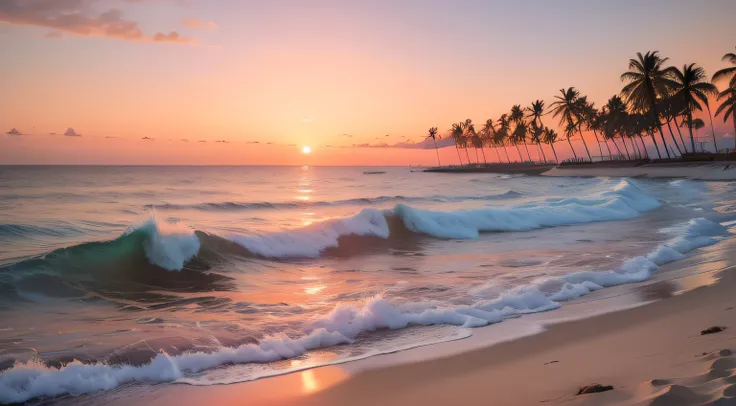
[{"x": 652, "y": 354}]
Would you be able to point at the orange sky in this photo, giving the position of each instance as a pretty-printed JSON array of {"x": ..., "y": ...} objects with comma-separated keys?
[{"x": 318, "y": 73}]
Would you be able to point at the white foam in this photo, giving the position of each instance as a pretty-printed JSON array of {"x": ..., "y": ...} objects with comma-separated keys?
[
  {"x": 168, "y": 245},
  {"x": 686, "y": 237},
  {"x": 312, "y": 240},
  {"x": 624, "y": 201},
  {"x": 344, "y": 323},
  {"x": 33, "y": 379}
]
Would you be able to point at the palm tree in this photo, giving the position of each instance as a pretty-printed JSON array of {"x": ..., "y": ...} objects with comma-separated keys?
[
  {"x": 502, "y": 134},
  {"x": 520, "y": 129},
  {"x": 569, "y": 133},
  {"x": 536, "y": 110},
  {"x": 567, "y": 107},
  {"x": 456, "y": 132},
  {"x": 671, "y": 108},
  {"x": 489, "y": 133},
  {"x": 477, "y": 142},
  {"x": 466, "y": 125},
  {"x": 647, "y": 82},
  {"x": 536, "y": 133},
  {"x": 433, "y": 135},
  {"x": 589, "y": 117},
  {"x": 614, "y": 119},
  {"x": 728, "y": 105},
  {"x": 550, "y": 136},
  {"x": 692, "y": 88},
  {"x": 635, "y": 125},
  {"x": 728, "y": 95}
]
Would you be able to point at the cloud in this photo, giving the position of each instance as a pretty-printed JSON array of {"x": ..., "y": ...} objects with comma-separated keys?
[
  {"x": 54, "y": 34},
  {"x": 75, "y": 17},
  {"x": 307, "y": 120},
  {"x": 194, "y": 23}
]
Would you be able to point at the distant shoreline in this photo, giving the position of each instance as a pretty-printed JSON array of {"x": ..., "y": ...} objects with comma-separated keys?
[{"x": 709, "y": 170}]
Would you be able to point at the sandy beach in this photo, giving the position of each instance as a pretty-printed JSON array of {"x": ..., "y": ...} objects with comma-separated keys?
[
  {"x": 652, "y": 354},
  {"x": 686, "y": 170},
  {"x": 712, "y": 171}
]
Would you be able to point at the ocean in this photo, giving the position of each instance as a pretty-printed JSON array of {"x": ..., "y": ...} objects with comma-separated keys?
[{"x": 115, "y": 276}]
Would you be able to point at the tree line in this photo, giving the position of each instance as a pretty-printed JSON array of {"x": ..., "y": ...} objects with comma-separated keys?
[{"x": 655, "y": 98}]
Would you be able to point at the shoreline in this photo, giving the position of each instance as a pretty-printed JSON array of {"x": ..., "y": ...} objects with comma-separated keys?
[
  {"x": 658, "y": 170},
  {"x": 624, "y": 348}
]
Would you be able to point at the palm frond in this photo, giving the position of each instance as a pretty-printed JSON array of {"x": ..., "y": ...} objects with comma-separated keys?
[{"x": 724, "y": 73}]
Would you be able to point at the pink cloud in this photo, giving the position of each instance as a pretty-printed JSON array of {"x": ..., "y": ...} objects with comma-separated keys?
[
  {"x": 73, "y": 17},
  {"x": 194, "y": 23}
]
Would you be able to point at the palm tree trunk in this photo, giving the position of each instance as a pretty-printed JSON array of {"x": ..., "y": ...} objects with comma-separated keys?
[
  {"x": 690, "y": 128},
  {"x": 615, "y": 144},
  {"x": 484, "y": 155},
  {"x": 573, "y": 149},
  {"x": 505, "y": 150},
  {"x": 712, "y": 129},
  {"x": 527, "y": 152},
  {"x": 598, "y": 141},
  {"x": 458, "y": 155},
  {"x": 542, "y": 151},
  {"x": 655, "y": 117},
  {"x": 637, "y": 152},
  {"x": 437, "y": 151},
  {"x": 467, "y": 155},
  {"x": 626, "y": 148},
  {"x": 552, "y": 144},
  {"x": 672, "y": 134},
  {"x": 654, "y": 141},
  {"x": 497, "y": 154},
  {"x": 518, "y": 151},
  {"x": 677, "y": 126},
  {"x": 476, "y": 156},
  {"x": 733, "y": 96},
  {"x": 605, "y": 141},
  {"x": 664, "y": 142},
  {"x": 590, "y": 158},
  {"x": 644, "y": 146}
]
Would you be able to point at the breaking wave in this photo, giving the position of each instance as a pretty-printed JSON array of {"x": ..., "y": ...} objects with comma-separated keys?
[
  {"x": 344, "y": 323},
  {"x": 624, "y": 201},
  {"x": 173, "y": 255}
]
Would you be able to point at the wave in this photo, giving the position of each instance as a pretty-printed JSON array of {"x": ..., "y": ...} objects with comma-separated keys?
[
  {"x": 623, "y": 201},
  {"x": 175, "y": 246},
  {"x": 155, "y": 253},
  {"x": 232, "y": 206},
  {"x": 28, "y": 380}
]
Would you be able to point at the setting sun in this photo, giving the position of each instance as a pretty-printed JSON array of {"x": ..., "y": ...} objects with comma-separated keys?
[{"x": 306, "y": 149}]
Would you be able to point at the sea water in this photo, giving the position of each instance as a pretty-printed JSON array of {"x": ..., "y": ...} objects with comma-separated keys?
[{"x": 207, "y": 275}]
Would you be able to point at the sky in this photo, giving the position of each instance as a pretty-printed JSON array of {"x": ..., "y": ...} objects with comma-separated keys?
[{"x": 162, "y": 81}]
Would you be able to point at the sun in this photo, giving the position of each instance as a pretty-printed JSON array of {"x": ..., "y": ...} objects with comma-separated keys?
[{"x": 306, "y": 149}]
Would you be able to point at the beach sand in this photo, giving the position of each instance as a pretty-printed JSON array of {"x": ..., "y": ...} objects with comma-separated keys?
[
  {"x": 652, "y": 354},
  {"x": 688, "y": 170}
]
